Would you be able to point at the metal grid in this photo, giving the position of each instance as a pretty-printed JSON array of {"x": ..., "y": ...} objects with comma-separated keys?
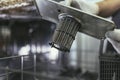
[
  {"x": 36, "y": 75},
  {"x": 20, "y": 70},
  {"x": 110, "y": 67}
]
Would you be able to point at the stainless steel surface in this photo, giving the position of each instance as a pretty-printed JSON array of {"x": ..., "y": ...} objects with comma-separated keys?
[
  {"x": 91, "y": 24},
  {"x": 22, "y": 67},
  {"x": 35, "y": 66},
  {"x": 19, "y": 17},
  {"x": 10, "y": 26}
]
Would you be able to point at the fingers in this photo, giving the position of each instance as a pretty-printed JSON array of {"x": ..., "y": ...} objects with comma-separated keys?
[
  {"x": 92, "y": 8},
  {"x": 114, "y": 35}
]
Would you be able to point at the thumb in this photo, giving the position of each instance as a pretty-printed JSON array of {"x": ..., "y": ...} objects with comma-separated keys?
[{"x": 114, "y": 35}]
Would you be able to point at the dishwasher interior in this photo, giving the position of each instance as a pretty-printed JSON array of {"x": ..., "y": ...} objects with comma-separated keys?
[{"x": 25, "y": 53}]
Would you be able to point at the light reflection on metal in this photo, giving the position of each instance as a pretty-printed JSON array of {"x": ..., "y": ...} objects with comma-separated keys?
[
  {"x": 45, "y": 49},
  {"x": 33, "y": 49},
  {"x": 114, "y": 76},
  {"x": 35, "y": 61},
  {"x": 11, "y": 4},
  {"x": 22, "y": 67},
  {"x": 5, "y": 32},
  {"x": 24, "y": 50},
  {"x": 38, "y": 50},
  {"x": 53, "y": 54}
]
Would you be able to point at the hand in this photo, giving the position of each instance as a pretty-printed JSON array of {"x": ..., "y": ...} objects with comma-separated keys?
[
  {"x": 92, "y": 8},
  {"x": 114, "y": 38}
]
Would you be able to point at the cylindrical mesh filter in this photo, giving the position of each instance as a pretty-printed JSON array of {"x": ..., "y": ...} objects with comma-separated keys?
[{"x": 65, "y": 32}]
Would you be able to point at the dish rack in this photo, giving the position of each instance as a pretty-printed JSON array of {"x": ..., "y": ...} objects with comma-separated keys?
[
  {"x": 24, "y": 71},
  {"x": 109, "y": 64}
]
